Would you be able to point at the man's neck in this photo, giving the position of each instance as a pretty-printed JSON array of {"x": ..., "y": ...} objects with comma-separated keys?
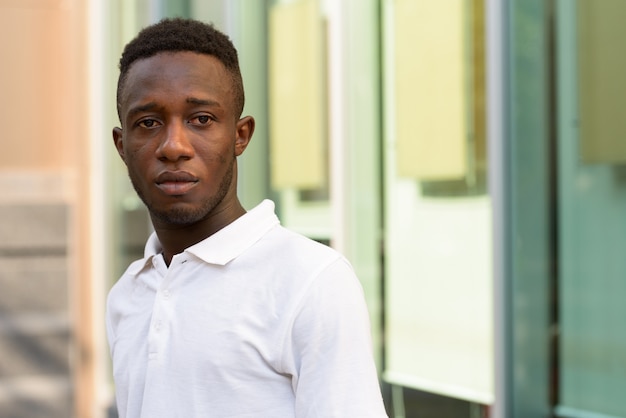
[{"x": 175, "y": 239}]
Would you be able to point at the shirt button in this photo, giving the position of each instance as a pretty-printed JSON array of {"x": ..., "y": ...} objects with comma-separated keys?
[
  {"x": 157, "y": 326},
  {"x": 166, "y": 294}
]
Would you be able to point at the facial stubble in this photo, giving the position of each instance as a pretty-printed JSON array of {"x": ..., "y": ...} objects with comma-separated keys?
[{"x": 181, "y": 216}]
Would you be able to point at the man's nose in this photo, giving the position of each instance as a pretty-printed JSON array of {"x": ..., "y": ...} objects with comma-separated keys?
[{"x": 176, "y": 145}]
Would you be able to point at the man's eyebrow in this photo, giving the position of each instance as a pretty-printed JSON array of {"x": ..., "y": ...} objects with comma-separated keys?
[
  {"x": 202, "y": 102},
  {"x": 153, "y": 105},
  {"x": 142, "y": 108}
]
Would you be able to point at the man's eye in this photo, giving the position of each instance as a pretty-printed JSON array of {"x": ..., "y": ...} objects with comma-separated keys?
[
  {"x": 201, "y": 120},
  {"x": 148, "y": 123}
]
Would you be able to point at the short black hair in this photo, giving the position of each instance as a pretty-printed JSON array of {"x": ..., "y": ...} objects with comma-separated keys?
[{"x": 176, "y": 35}]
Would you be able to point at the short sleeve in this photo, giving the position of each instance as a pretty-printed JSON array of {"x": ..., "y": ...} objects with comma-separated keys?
[{"x": 330, "y": 349}]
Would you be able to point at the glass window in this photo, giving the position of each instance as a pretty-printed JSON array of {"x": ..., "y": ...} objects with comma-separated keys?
[
  {"x": 438, "y": 275},
  {"x": 591, "y": 208}
]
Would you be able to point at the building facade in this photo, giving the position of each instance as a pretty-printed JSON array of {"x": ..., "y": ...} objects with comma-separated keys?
[{"x": 467, "y": 156}]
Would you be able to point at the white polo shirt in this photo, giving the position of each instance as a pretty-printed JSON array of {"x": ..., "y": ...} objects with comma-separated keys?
[{"x": 254, "y": 321}]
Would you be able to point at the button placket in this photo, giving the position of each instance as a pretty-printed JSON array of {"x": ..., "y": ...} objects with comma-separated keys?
[
  {"x": 162, "y": 310},
  {"x": 156, "y": 337}
]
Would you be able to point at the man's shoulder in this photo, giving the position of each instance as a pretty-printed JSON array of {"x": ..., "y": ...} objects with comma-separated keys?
[
  {"x": 291, "y": 241},
  {"x": 299, "y": 255}
]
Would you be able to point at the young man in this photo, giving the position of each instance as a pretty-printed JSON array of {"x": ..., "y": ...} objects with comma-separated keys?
[{"x": 228, "y": 314}]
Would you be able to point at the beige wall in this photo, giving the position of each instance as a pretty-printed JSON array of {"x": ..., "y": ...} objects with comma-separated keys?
[
  {"x": 44, "y": 121},
  {"x": 41, "y": 49}
]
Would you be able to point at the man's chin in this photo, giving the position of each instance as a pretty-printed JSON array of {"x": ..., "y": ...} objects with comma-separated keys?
[{"x": 177, "y": 216}]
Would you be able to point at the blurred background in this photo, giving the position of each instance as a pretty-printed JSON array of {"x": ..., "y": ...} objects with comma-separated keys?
[{"x": 467, "y": 156}]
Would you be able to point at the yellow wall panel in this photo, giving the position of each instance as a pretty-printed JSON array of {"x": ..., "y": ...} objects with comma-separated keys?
[
  {"x": 297, "y": 128},
  {"x": 430, "y": 89},
  {"x": 602, "y": 90}
]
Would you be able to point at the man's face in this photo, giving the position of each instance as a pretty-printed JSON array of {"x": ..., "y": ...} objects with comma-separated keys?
[{"x": 180, "y": 136}]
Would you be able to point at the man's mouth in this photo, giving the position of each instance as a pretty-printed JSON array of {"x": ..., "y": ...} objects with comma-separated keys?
[{"x": 175, "y": 183}]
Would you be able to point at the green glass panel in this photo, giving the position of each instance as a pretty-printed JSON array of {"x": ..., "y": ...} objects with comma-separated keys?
[
  {"x": 528, "y": 199},
  {"x": 592, "y": 227}
]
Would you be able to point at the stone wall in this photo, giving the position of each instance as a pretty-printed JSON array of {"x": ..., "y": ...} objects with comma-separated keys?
[{"x": 35, "y": 320}]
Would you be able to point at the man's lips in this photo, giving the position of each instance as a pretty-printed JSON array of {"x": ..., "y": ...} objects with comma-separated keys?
[{"x": 175, "y": 183}]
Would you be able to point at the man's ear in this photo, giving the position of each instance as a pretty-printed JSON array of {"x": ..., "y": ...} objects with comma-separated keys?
[
  {"x": 245, "y": 129},
  {"x": 119, "y": 144}
]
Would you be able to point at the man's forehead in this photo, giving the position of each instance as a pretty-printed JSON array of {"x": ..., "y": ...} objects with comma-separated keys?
[
  {"x": 200, "y": 77},
  {"x": 154, "y": 65}
]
